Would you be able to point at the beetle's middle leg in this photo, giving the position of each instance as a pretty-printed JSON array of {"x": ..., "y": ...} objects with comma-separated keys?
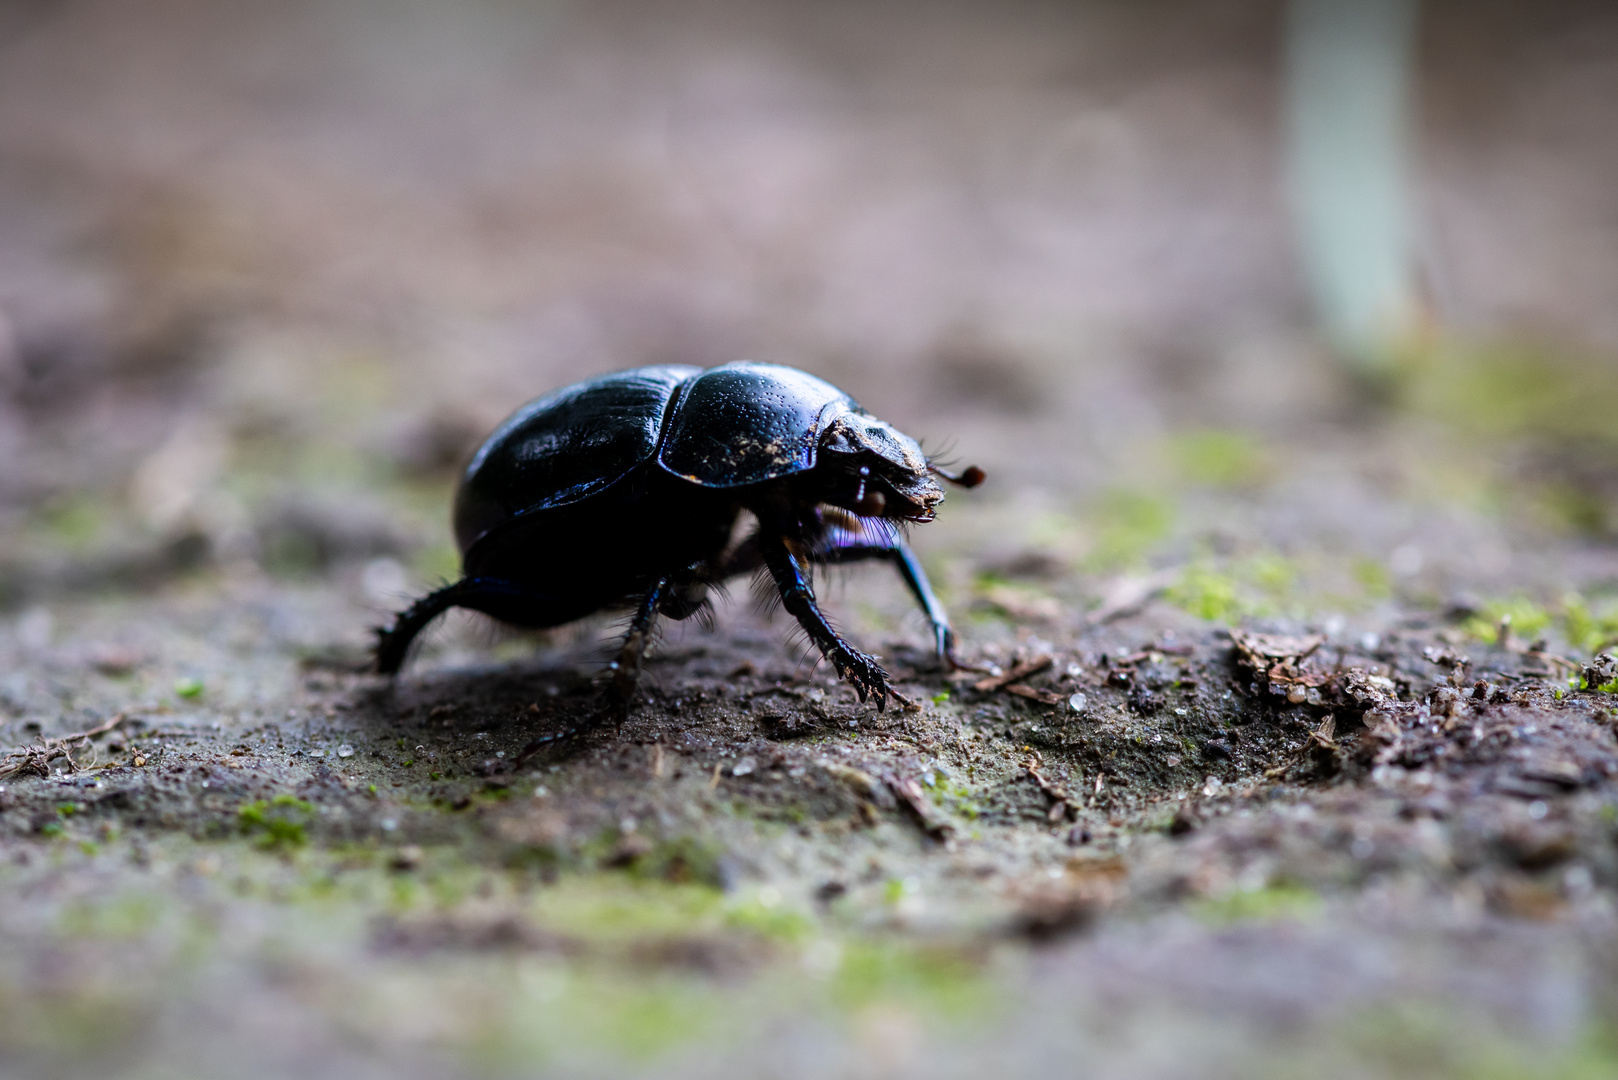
[
  {"x": 626, "y": 669},
  {"x": 678, "y": 596},
  {"x": 791, "y": 573}
]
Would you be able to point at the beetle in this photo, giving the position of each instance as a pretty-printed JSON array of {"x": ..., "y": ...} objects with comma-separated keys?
[{"x": 627, "y": 491}]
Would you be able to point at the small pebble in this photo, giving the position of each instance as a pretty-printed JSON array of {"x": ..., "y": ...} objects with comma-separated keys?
[
  {"x": 345, "y": 750},
  {"x": 743, "y": 767},
  {"x": 1078, "y": 703}
]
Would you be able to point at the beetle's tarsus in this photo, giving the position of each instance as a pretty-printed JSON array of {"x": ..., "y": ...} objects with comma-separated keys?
[{"x": 867, "y": 677}]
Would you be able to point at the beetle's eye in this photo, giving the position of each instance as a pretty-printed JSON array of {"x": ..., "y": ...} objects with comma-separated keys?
[{"x": 871, "y": 504}]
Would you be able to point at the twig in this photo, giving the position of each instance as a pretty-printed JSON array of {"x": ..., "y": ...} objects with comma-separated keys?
[
  {"x": 910, "y": 796},
  {"x": 1322, "y": 738},
  {"x": 1016, "y": 674},
  {"x": 1044, "y": 697},
  {"x": 1130, "y": 595},
  {"x": 38, "y": 758},
  {"x": 1062, "y": 803}
]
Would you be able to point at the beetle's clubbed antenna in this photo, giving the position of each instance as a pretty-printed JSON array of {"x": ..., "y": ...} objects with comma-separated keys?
[{"x": 969, "y": 477}]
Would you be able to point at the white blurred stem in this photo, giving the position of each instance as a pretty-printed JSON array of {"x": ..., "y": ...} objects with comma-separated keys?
[{"x": 1348, "y": 110}]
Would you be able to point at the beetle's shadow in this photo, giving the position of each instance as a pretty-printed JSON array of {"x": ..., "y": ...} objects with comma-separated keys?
[{"x": 527, "y": 700}]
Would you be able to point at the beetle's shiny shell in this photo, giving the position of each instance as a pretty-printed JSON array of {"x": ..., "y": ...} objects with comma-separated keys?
[{"x": 729, "y": 426}]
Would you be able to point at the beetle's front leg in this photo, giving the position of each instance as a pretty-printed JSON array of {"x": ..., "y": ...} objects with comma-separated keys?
[
  {"x": 896, "y": 551},
  {"x": 790, "y": 571}
]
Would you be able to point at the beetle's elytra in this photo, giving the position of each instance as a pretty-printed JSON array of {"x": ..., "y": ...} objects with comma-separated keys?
[{"x": 624, "y": 492}]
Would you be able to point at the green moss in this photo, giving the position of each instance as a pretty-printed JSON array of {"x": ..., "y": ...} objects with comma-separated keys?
[
  {"x": 279, "y": 822},
  {"x": 956, "y": 798},
  {"x": 1216, "y": 458},
  {"x": 680, "y": 860},
  {"x": 1575, "y": 509},
  {"x": 1206, "y": 593},
  {"x": 1126, "y": 526},
  {"x": 950, "y": 981},
  {"x": 1273, "y": 575},
  {"x": 116, "y": 918},
  {"x": 1419, "y": 1039},
  {"x": 75, "y": 523},
  {"x": 615, "y": 907},
  {"x": 762, "y": 913},
  {"x": 643, "y": 1017},
  {"x": 1513, "y": 389},
  {"x": 188, "y": 687},
  {"x": 1528, "y": 619},
  {"x": 1260, "y": 584},
  {"x": 1281, "y": 901},
  {"x": 1589, "y": 627},
  {"x": 576, "y": 1013},
  {"x": 1374, "y": 578},
  {"x": 72, "y": 1021}
]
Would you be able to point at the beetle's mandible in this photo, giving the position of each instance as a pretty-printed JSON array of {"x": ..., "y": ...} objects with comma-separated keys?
[{"x": 624, "y": 491}]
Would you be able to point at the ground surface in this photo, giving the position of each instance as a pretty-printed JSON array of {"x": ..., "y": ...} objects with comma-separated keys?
[
  {"x": 1374, "y": 841},
  {"x": 1292, "y": 752}
]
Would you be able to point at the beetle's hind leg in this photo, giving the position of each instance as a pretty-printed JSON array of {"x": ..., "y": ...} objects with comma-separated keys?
[
  {"x": 678, "y": 596},
  {"x": 504, "y": 600},
  {"x": 625, "y": 670},
  {"x": 393, "y": 642}
]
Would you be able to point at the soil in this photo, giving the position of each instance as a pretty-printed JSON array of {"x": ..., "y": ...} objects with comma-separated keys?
[{"x": 1290, "y": 747}]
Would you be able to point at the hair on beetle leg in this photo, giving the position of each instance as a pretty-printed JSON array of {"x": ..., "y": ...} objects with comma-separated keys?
[
  {"x": 767, "y": 601},
  {"x": 705, "y": 618}
]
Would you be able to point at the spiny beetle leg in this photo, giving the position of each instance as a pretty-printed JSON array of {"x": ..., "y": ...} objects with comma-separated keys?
[
  {"x": 626, "y": 669},
  {"x": 504, "y": 600},
  {"x": 897, "y": 552},
  {"x": 792, "y": 581}
]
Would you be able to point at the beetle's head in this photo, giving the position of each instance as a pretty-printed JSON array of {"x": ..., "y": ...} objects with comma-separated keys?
[{"x": 875, "y": 470}]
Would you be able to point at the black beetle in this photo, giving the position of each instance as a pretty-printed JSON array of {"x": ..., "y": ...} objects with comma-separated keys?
[{"x": 626, "y": 491}]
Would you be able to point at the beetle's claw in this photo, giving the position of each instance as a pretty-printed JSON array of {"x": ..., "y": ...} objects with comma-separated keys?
[
  {"x": 947, "y": 659},
  {"x": 867, "y": 678}
]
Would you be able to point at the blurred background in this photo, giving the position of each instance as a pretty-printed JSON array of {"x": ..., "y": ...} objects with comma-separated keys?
[{"x": 1321, "y": 297}]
